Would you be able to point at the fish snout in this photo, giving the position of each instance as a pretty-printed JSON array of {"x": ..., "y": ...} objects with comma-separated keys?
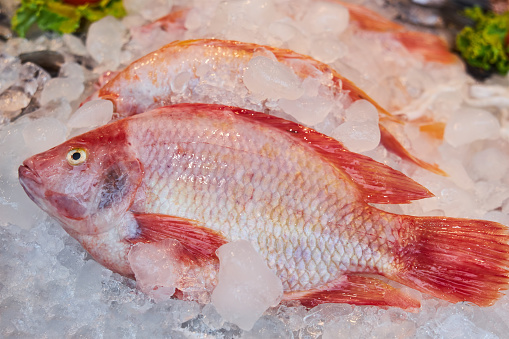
[
  {"x": 27, "y": 171},
  {"x": 29, "y": 179}
]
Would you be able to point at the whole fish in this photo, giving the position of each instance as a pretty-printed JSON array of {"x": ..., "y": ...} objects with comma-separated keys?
[
  {"x": 206, "y": 175},
  {"x": 214, "y": 71}
]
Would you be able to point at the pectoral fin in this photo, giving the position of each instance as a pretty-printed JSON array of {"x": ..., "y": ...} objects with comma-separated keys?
[
  {"x": 199, "y": 240},
  {"x": 357, "y": 290}
]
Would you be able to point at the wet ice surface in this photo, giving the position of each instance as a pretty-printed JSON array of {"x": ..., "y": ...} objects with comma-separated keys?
[
  {"x": 246, "y": 286},
  {"x": 50, "y": 287}
]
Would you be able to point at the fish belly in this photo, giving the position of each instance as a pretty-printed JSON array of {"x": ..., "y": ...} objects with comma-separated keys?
[{"x": 250, "y": 182}]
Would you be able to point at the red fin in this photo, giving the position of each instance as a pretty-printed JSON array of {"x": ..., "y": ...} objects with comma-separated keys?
[
  {"x": 454, "y": 259},
  {"x": 435, "y": 130},
  {"x": 368, "y": 19},
  {"x": 197, "y": 239},
  {"x": 357, "y": 290},
  {"x": 379, "y": 183},
  {"x": 393, "y": 145},
  {"x": 431, "y": 47}
]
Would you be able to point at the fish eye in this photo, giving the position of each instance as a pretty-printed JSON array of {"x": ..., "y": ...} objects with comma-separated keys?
[{"x": 76, "y": 156}]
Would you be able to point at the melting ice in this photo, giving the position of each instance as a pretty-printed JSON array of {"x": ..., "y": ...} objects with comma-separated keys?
[{"x": 50, "y": 287}]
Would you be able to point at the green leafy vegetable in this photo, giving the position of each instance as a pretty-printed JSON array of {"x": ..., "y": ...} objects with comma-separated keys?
[
  {"x": 61, "y": 17},
  {"x": 486, "y": 44}
]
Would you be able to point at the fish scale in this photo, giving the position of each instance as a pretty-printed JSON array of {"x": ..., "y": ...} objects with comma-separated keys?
[{"x": 247, "y": 205}]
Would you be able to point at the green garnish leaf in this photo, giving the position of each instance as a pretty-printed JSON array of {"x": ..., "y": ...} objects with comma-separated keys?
[
  {"x": 57, "y": 16},
  {"x": 486, "y": 44}
]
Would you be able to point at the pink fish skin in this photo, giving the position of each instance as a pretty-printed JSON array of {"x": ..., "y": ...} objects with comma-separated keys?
[
  {"x": 209, "y": 174},
  {"x": 153, "y": 81}
]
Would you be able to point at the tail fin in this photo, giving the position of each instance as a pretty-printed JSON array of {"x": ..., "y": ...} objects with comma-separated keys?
[{"x": 454, "y": 259}]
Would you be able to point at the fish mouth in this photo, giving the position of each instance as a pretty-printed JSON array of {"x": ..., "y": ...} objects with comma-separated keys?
[{"x": 30, "y": 181}]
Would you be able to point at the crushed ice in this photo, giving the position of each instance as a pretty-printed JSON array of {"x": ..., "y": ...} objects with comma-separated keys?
[
  {"x": 246, "y": 286},
  {"x": 49, "y": 286}
]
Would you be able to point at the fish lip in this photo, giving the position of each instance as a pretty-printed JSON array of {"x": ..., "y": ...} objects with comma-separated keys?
[
  {"x": 29, "y": 180},
  {"x": 27, "y": 173}
]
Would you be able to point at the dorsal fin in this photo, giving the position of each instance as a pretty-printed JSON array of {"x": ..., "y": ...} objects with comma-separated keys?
[{"x": 379, "y": 183}]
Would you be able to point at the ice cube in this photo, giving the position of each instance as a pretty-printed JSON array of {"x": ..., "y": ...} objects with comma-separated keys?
[
  {"x": 16, "y": 207},
  {"x": 89, "y": 280},
  {"x": 72, "y": 70},
  {"x": 75, "y": 44},
  {"x": 282, "y": 31},
  {"x": 93, "y": 113},
  {"x": 457, "y": 172},
  {"x": 57, "y": 88},
  {"x": 491, "y": 194},
  {"x": 194, "y": 20},
  {"x": 307, "y": 110},
  {"x": 457, "y": 202},
  {"x": 211, "y": 317},
  {"x": 246, "y": 286},
  {"x": 104, "y": 41},
  {"x": 152, "y": 264},
  {"x": 44, "y": 133},
  {"x": 268, "y": 327},
  {"x": 235, "y": 19},
  {"x": 32, "y": 78},
  {"x": 459, "y": 326},
  {"x": 13, "y": 100},
  {"x": 59, "y": 109},
  {"x": 150, "y": 10},
  {"x": 489, "y": 164},
  {"x": 133, "y": 21},
  {"x": 358, "y": 136},
  {"x": 497, "y": 216},
  {"x": 269, "y": 79},
  {"x": 180, "y": 82},
  {"x": 328, "y": 50},
  {"x": 185, "y": 310},
  {"x": 469, "y": 124},
  {"x": 10, "y": 68},
  {"x": 324, "y": 17},
  {"x": 361, "y": 110}
]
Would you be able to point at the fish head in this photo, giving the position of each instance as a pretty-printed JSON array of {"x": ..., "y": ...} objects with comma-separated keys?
[{"x": 87, "y": 183}]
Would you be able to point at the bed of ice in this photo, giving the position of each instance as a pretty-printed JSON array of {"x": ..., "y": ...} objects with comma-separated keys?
[{"x": 51, "y": 288}]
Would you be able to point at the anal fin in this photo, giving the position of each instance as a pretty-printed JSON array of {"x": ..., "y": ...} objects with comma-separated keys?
[
  {"x": 198, "y": 240},
  {"x": 357, "y": 290}
]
